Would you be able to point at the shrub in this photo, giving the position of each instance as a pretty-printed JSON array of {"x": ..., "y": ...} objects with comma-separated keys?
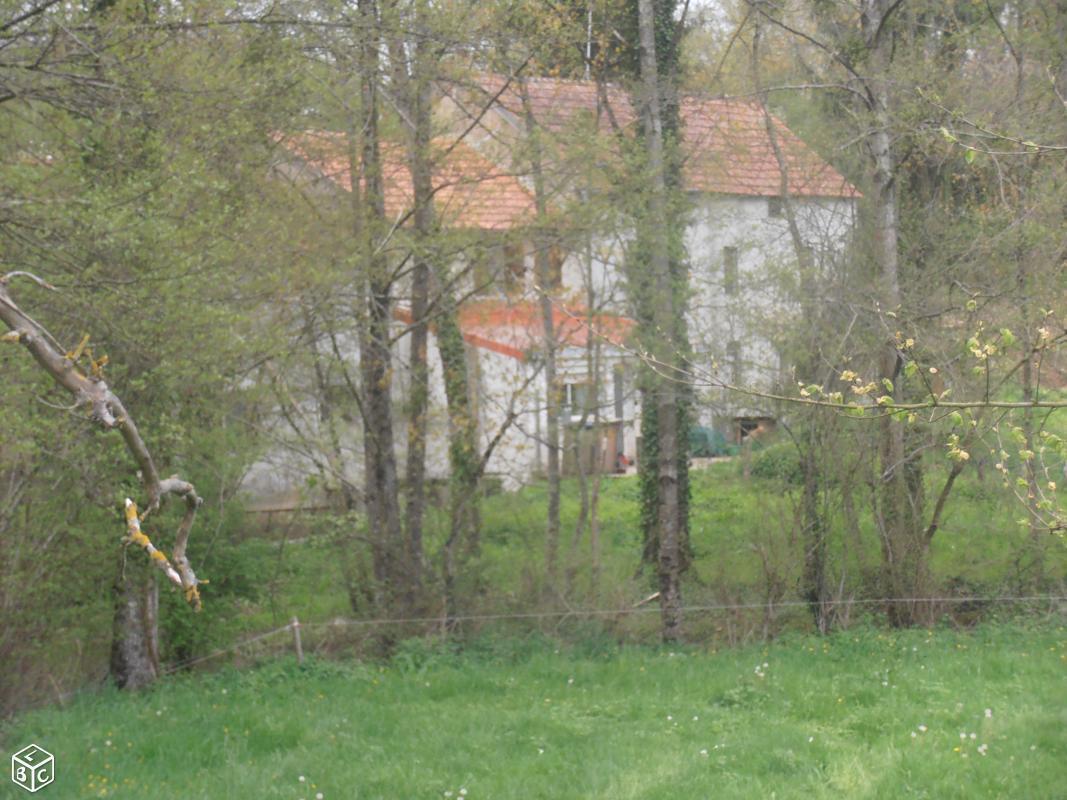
[{"x": 779, "y": 461}]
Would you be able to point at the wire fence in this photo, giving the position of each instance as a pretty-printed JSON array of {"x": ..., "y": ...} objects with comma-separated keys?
[
  {"x": 294, "y": 627},
  {"x": 1055, "y": 603}
]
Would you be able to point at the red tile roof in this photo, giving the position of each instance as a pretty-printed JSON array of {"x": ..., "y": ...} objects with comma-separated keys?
[
  {"x": 471, "y": 192},
  {"x": 515, "y": 328},
  {"x": 725, "y": 142}
]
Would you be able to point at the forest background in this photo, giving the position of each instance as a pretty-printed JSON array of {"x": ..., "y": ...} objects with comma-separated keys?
[{"x": 923, "y": 448}]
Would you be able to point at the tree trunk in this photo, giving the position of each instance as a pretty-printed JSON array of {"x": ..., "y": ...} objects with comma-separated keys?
[
  {"x": 814, "y": 578},
  {"x": 664, "y": 393},
  {"x": 590, "y": 440},
  {"x": 382, "y": 489},
  {"x": 1035, "y": 545},
  {"x": 542, "y": 268},
  {"x": 135, "y": 631},
  {"x": 463, "y": 519},
  {"x": 903, "y": 547},
  {"x": 813, "y": 524},
  {"x": 415, "y": 92}
]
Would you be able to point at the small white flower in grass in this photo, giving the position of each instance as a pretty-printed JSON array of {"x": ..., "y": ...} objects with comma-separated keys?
[
  {"x": 695, "y": 719},
  {"x": 462, "y": 792},
  {"x": 974, "y": 735},
  {"x": 669, "y": 718},
  {"x": 570, "y": 681},
  {"x": 448, "y": 792},
  {"x": 963, "y": 735},
  {"x": 811, "y": 739},
  {"x": 318, "y": 795},
  {"x": 159, "y": 713},
  {"x": 540, "y": 751},
  {"x": 989, "y": 713},
  {"x": 983, "y": 749},
  {"x": 913, "y": 734},
  {"x": 704, "y": 752},
  {"x": 107, "y": 743},
  {"x": 922, "y": 729},
  {"x": 1033, "y": 747}
]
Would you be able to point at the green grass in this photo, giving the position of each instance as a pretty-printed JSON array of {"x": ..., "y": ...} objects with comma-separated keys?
[{"x": 829, "y": 718}]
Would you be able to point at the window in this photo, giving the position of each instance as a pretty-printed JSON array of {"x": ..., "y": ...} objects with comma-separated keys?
[
  {"x": 514, "y": 271},
  {"x": 774, "y": 207},
  {"x": 729, "y": 270},
  {"x": 575, "y": 398}
]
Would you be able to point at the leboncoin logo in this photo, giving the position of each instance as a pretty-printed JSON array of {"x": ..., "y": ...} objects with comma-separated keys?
[{"x": 33, "y": 768}]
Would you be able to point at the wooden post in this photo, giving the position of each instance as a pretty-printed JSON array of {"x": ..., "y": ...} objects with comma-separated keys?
[{"x": 295, "y": 625}]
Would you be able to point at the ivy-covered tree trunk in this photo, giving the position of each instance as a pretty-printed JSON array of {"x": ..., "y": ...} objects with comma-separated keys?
[
  {"x": 661, "y": 338},
  {"x": 463, "y": 511}
]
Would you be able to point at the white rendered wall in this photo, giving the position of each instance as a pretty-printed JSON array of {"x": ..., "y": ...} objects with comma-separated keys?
[
  {"x": 715, "y": 319},
  {"x": 748, "y": 316}
]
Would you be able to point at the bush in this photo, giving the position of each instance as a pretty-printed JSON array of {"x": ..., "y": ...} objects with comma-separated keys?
[{"x": 779, "y": 461}]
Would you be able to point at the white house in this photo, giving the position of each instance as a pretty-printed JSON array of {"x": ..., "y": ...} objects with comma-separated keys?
[{"x": 736, "y": 238}]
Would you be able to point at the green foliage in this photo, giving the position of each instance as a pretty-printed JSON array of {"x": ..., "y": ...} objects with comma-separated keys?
[
  {"x": 137, "y": 203},
  {"x": 238, "y": 573},
  {"x": 778, "y": 462}
]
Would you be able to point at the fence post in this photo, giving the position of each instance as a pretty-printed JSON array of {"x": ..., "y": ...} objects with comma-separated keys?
[{"x": 295, "y": 625}]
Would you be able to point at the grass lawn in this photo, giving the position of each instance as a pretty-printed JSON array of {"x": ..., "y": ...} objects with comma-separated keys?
[{"x": 863, "y": 714}]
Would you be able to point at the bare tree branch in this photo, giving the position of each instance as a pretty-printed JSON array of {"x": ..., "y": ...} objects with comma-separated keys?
[{"x": 91, "y": 391}]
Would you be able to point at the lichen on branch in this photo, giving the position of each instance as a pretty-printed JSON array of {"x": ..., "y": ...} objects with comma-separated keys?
[{"x": 91, "y": 391}]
